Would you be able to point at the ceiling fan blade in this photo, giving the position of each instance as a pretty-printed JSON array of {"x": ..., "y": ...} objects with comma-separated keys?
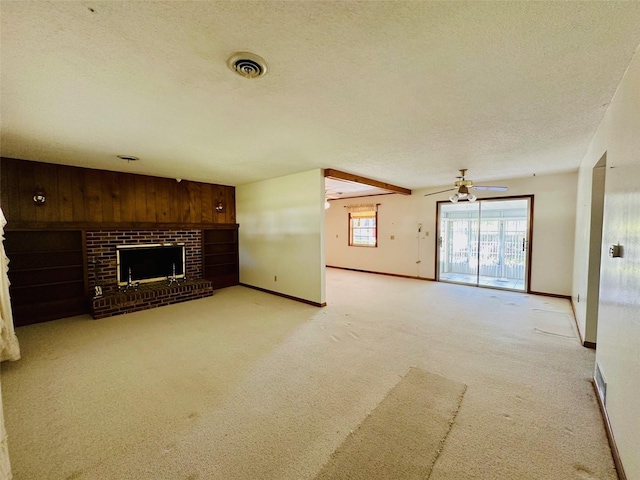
[
  {"x": 486, "y": 187},
  {"x": 435, "y": 193}
]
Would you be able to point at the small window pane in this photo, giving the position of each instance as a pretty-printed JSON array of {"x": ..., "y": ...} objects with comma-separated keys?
[{"x": 362, "y": 229}]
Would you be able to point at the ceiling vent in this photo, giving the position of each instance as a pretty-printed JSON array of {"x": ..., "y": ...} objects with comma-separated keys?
[
  {"x": 249, "y": 65},
  {"x": 128, "y": 158}
]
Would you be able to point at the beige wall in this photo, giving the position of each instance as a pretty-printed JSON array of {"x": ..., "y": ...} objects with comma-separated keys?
[
  {"x": 618, "y": 321},
  {"x": 412, "y": 253},
  {"x": 282, "y": 235}
]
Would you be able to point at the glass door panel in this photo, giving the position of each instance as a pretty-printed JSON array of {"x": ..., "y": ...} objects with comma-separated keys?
[
  {"x": 503, "y": 241},
  {"x": 484, "y": 243},
  {"x": 458, "y": 230}
]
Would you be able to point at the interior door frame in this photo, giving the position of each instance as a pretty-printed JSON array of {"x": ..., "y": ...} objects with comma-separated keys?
[{"x": 529, "y": 245}]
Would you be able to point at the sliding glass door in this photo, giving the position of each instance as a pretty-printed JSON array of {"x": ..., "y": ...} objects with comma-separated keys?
[{"x": 485, "y": 243}]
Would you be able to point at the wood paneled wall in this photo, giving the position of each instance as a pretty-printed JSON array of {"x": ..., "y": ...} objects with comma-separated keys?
[{"x": 83, "y": 198}]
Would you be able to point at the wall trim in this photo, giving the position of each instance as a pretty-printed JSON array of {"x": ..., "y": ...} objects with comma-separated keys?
[
  {"x": 284, "y": 295},
  {"x": 585, "y": 344},
  {"x": 383, "y": 273},
  {"x": 14, "y": 226},
  {"x": 612, "y": 441},
  {"x": 555, "y": 295},
  {"x": 575, "y": 319}
]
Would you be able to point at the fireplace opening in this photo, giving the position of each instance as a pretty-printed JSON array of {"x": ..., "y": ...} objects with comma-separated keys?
[{"x": 150, "y": 263}]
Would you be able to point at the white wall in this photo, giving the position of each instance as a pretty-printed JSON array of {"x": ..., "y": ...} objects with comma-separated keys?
[
  {"x": 618, "y": 329},
  {"x": 397, "y": 215},
  {"x": 413, "y": 254},
  {"x": 281, "y": 235}
]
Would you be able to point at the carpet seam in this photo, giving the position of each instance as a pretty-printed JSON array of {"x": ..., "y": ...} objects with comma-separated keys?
[{"x": 444, "y": 439}]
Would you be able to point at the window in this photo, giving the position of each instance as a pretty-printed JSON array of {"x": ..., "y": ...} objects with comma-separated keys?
[{"x": 363, "y": 231}]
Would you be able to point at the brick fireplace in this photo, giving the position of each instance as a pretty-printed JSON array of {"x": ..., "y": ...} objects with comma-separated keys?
[{"x": 102, "y": 265}]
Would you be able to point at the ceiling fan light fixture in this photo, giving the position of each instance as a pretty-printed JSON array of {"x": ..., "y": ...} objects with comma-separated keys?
[{"x": 463, "y": 187}]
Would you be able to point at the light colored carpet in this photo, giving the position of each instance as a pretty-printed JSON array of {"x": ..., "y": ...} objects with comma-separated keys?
[
  {"x": 249, "y": 386},
  {"x": 403, "y": 436}
]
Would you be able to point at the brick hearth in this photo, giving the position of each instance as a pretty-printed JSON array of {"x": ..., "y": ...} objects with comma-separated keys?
[{"x": 149, "y": 295}]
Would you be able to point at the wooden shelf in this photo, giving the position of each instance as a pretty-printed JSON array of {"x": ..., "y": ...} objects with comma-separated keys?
[
  {"x": 46, "y": 272},
  {"x": 47, "y": 252},
  {"x": 217, "y": 259},
  {"x": 50, "y": 310},
  {"x": 36, "y": 269},
  {"x": 49, "y": 284},
  {"x": 220, "y": 257}
]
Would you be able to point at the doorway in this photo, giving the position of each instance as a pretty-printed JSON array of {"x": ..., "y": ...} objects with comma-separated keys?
[
  {"x": 598, "y": 178},
  {"x": 485, "y": 243}
]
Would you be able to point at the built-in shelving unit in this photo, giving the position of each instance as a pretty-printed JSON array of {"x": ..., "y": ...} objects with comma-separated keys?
[
  {"x": 46, "y": 272},
  {"x": 220, "y": 256},
  {"x": 56, "y": 262}
]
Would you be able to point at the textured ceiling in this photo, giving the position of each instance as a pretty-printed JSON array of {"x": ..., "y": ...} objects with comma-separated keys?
[{"x": 402, "y": 92}]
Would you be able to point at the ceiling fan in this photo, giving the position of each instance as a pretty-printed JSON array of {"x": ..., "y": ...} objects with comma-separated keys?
[{"x": 464, "y": 186}]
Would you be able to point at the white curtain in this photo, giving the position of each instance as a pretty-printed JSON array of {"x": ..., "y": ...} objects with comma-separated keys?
[{"x": 9, "y": 348}]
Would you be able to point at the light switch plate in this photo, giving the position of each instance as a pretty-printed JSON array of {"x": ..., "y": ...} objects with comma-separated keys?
[{"x": 615, "y": 251}]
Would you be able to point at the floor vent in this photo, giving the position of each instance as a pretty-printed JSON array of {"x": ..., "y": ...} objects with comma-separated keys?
[{"x": 601, "y": 384}]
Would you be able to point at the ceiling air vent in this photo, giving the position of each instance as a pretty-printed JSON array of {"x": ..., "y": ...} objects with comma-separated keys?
[{"x": 249, "y": 65}]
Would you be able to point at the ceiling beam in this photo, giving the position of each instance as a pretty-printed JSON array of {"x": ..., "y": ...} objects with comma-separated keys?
[{"x": 349, "y": 177}]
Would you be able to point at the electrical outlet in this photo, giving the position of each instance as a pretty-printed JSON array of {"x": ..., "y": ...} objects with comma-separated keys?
[
  {"x": 426, "y": 234},
  {"x": 275, "y": 278},
  {"x": 336, "y": 235},
  {"x": 578, "y": 299},
  {"x": 393, "y": 237}
]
